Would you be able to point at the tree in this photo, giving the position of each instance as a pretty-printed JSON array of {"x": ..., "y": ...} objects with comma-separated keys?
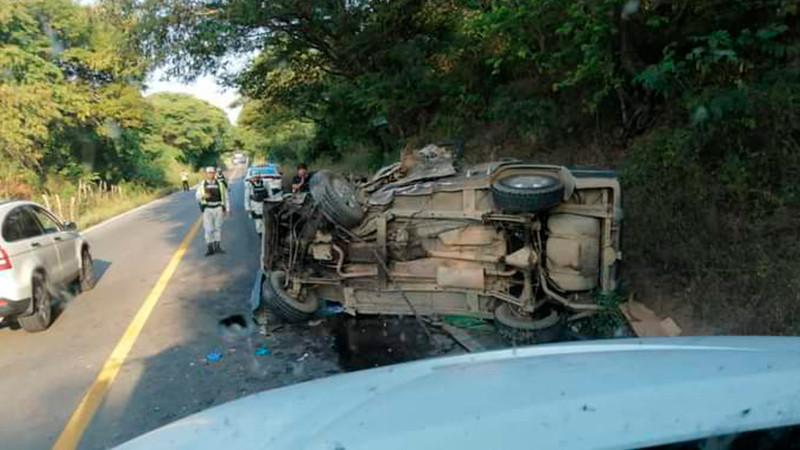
[
  {"x": 276, "y": 133},
  {"x": 198, "y": 130},
  {"x": 69, "y": 92}
]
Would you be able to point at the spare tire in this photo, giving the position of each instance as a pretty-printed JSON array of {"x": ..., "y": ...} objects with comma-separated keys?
[
  {"x": 522, "y": 329},
  {"x": 284, "y": 305},
  {"x": 527, "y": 193},
  {"x": 337, "y": 198}
]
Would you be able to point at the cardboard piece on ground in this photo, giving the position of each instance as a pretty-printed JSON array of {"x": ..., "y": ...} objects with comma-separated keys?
[
  {"x": 645, "y": 322},
  {"x": 670, "y": 327}
]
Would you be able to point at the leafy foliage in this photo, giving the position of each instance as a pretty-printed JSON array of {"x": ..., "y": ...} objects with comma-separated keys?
[
  {"x": 71, "y": 105},
  {"x": 198, "y": 131},
  {"x": 695, "y": 100}
]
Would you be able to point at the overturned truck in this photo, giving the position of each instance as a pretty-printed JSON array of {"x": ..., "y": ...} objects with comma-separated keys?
[{"x": 526, "y": 245}]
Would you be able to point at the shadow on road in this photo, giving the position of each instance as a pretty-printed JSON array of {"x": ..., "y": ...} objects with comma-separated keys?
[
  {"x": 200, "y": 349},
  {"x": 184, "y": 361},
  {"x": 63, "y": 295}
]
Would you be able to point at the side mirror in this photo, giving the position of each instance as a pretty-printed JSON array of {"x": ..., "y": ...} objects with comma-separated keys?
[{"x": 70, "y": 226}]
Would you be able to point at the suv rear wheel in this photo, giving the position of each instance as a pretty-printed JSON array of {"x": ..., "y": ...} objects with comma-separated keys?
[
  {"x": 42, "y": 308},
  {"x": 87, "y": 271}
]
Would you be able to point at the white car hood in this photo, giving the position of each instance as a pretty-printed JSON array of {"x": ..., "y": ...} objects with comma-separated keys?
[{"x": 604, "y": 394}]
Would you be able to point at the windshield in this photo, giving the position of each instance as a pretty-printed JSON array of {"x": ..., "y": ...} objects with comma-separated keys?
[
  {"x": 267, "y": 171},
  {"x": 205, "y": 200}
]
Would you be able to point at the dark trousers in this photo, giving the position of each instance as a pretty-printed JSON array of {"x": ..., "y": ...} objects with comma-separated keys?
[{"x": 185, "y": 185}]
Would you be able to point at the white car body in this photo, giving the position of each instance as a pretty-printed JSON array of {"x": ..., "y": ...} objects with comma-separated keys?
[
  {"x": 271, "y": 176},
  {"x": 627, "y": 393},
  {"x": 34, "y": 242}
]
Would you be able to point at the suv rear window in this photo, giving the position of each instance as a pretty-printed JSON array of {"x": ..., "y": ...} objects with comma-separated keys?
[
  {"x": 19, "y": 225},
  {"x": 48, "y": 223}
]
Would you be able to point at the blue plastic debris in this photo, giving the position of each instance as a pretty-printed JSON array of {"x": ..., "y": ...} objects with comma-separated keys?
[
  {"x": 214, "y": 357},
  {"x": 263, "y": 352},
  {"x": 330, "y": 309}
]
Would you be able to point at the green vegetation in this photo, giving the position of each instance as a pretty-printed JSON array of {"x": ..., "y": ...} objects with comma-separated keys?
[
  {"x": 72, "y": 110},
  {"x": 264, "y": 131},
  {"x": 695, "y": 101},
  {"x": 185, "y": 131}
]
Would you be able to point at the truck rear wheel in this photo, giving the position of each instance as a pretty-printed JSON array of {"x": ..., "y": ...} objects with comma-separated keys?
[{"x": 525, "y": 329}]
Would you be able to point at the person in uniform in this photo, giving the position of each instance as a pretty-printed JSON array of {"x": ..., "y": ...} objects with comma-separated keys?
[
  {"x": 254, "y": 201},
  {"x": 221, "y": 177},
  {"x": 213, "y": 198}
]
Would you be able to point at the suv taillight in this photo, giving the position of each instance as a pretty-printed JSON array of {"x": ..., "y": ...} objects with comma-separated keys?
[{"x": 5, "y": 261}]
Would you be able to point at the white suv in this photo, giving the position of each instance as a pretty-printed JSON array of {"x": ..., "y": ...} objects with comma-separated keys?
[{"x": 39, "y": 255}]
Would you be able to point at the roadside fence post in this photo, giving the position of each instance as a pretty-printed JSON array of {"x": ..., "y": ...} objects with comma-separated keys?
[{"x": 60, "y": 209}]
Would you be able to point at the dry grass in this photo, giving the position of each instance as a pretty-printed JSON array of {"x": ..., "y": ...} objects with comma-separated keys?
[{"x": 109, "y": 207}]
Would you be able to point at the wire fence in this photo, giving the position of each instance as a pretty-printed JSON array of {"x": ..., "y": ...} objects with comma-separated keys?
[{"x": 86, "y": 197}]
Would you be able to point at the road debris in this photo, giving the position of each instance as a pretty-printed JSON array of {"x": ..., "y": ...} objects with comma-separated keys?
[
  {"x": 262, "y": 351},
  {"x": 303, "y": 358},
  {"x": 646, "y": 323},
  {"x": 234, "y": 327},
  {"x": 213, "y": 357},
  {"x": 463, "y": 338}
]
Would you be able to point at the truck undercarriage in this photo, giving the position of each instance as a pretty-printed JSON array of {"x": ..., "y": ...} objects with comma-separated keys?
[{"x": 526, "y": 245}]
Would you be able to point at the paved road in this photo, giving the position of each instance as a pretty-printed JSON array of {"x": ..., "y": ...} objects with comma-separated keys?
[{"x": 166, "y": 376}]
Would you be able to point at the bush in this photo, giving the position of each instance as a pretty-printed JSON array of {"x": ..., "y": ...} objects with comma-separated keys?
[{"x": 712, "y": 207}]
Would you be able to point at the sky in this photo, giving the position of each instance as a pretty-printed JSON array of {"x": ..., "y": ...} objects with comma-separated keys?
[{"x": 204, "y": 88}]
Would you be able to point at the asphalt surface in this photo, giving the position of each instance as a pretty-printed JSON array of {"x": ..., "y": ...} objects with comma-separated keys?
[{"x": 167, "y": 374}]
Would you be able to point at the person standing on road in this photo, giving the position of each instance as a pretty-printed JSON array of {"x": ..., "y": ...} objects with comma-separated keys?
[
  {"x": 300, "y": 180},
  {"x": 255, "y": 194},
  {"x": 221, "y": 177},
  {"x": 213, "y": 198},
  {"x": 185, "y": 180}
]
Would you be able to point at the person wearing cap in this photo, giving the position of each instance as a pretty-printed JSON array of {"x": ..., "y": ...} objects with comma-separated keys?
[{"x": 213, "y": 198}]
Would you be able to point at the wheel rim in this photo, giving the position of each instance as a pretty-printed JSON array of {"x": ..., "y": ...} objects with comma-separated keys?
[
  {"x": 529, "y": 181},
  {"x": 344, "y": 192},
  {"x": 43, "y": 304}
]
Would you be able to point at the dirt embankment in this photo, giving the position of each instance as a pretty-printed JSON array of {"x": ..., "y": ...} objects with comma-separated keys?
[{"x": 712, "y": 270}]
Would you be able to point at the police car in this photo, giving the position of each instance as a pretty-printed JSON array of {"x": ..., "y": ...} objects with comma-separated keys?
[
  {"x": 269, "y": 174},
  {"x": 261, "y": 183}
]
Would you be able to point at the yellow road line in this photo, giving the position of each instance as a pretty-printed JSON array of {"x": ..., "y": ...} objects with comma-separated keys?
[{"x": 82, "y": 417}]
